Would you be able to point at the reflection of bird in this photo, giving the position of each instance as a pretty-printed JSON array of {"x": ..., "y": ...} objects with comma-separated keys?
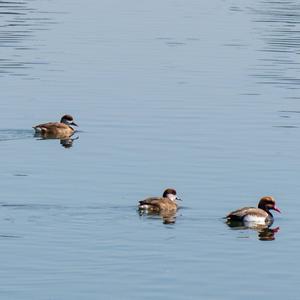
[
  {"x": 168, "y": 216},
  {"x": 267, "y": 234},
  {"x": 255, "y": 216},
  {"x": 160, "y": 204},
  {"x": 68, "y": 143},
  {"x": 264, "y": 232},
  {"x": 58, "y": 130}
]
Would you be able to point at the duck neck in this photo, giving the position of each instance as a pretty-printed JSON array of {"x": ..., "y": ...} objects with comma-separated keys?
[
  {"x": 67, "y": 123},
  {"x": 266, "y": 209}
]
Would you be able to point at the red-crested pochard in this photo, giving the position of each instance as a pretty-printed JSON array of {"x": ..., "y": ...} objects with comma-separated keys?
[{"x": 259, "y": 216}]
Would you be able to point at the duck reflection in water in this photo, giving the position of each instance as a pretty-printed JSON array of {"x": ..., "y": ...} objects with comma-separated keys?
[
  {"x": 264, "y": 232},
  {"x": 65, "y": 142},
  {"x": 267, "y": 234},
  {"x": 68, "y": 143},
  {"x": 168, "y": 217},
  {"x": 165, "y": 206},
  {"x": 57, "y": 130}
]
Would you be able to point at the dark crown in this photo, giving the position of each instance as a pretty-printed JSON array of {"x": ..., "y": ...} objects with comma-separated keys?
[
  {"x": 67, "y": 117},
  {"x": 169, "y": 191}
]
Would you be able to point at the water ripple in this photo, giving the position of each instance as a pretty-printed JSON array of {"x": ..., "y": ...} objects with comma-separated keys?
[
  {"x": 15, "y": 134},
  {"x": 278, "y": 27},
  {"x": 18, "y": 30}
]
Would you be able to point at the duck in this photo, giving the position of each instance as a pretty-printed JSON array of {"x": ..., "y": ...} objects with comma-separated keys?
[
  {"x": 60, "y": 129},
  {"x": 255, "y": 216},
  {"x": 160, "y": 204}
]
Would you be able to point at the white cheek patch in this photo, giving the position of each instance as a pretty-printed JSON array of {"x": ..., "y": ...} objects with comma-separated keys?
[
  {"x": 255, "y": 219},
  {"x": 171, "y": 197}
]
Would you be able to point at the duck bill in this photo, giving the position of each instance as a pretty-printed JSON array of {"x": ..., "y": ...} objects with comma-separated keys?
[
  {"x": 277, "y": 209},
  {"x": 74, "y": 124}
]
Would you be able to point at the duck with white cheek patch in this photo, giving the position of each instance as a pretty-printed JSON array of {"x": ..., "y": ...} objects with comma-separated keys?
[
  {"x": 168, "y": 202},
  {"x": 58, "y": 130}
]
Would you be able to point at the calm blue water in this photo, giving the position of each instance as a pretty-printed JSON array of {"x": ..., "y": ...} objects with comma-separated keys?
[{"x": 202, "y": 96}]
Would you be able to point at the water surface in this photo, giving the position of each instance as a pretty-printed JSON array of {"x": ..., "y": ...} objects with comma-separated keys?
[{"x": 202, "y": 97}]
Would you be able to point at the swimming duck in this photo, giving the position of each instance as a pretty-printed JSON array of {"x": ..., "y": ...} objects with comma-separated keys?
[
  {"x": 253, "y": 215},
  {"x": 157, "y": 204},
  {"x": 60, "y": 129}
]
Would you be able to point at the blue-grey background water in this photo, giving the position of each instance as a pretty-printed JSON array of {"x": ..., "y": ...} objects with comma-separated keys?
[{"x": 202, "y": 96}]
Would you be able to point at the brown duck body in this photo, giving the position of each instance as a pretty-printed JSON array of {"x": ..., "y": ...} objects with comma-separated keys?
[
  {"x": 54, "y": 130},
  {"x": 251, "y": 212},
  {"x": 157, "y": 204},
  {"x": 160, "y": 204}
]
